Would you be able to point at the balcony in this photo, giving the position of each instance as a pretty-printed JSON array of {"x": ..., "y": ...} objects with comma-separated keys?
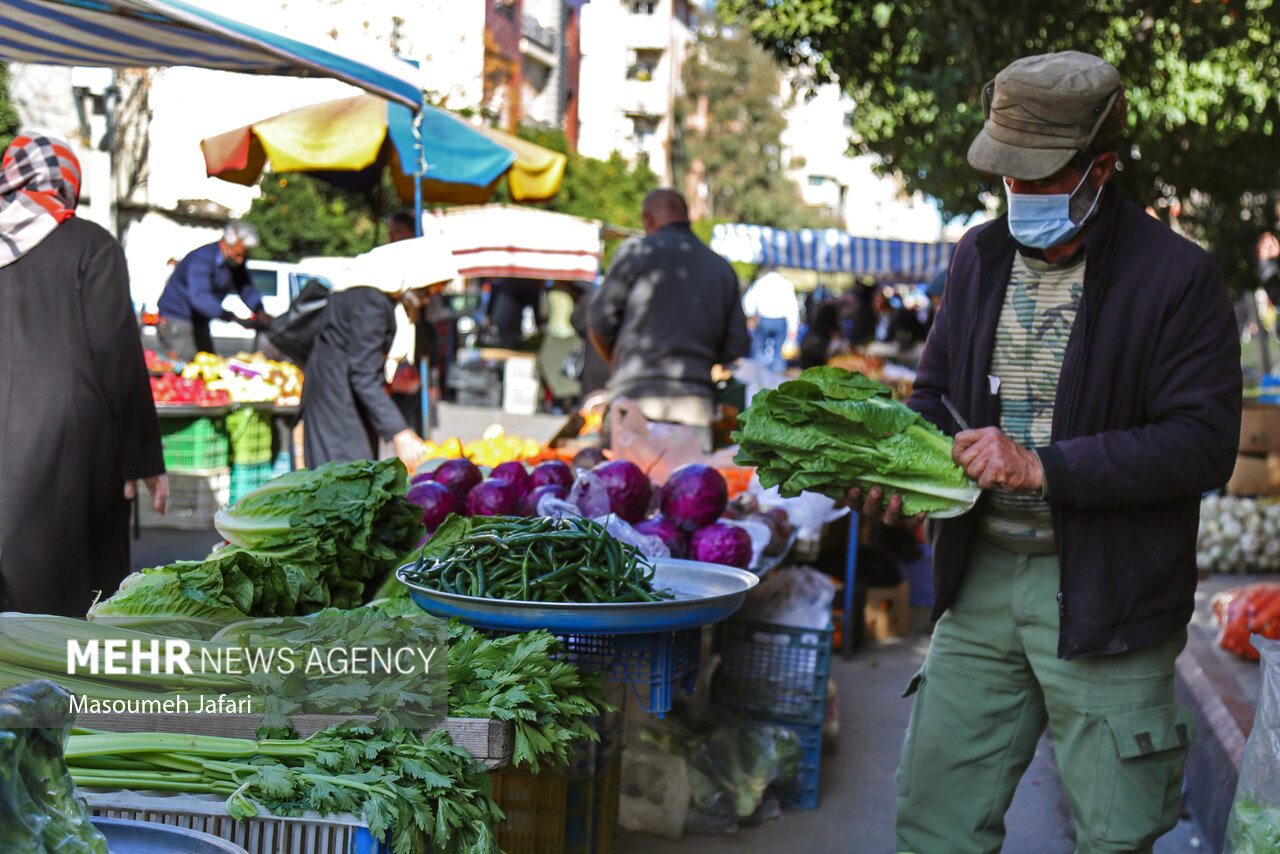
[
  {"x": 643, "y": 98},
  {"x": 538, "y": 42},
  {"x": 647, "y": 31}
]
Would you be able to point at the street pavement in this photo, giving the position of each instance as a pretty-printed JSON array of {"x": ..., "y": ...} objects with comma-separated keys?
[{"x": 856, "y": 806}]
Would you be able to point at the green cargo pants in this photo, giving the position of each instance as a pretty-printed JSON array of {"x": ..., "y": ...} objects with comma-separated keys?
[{"x": 991, "y": 682}]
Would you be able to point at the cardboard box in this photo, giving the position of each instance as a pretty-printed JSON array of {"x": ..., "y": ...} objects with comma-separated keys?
[
  {"x": 1255, "y": 475},
  {"x": 520, "y": 386},
  {"x": 888, "y": 611},
  {"x": 1260, "y": 429}
]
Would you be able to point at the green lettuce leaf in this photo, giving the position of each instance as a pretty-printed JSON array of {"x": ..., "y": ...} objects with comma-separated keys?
[{"x": 832, "y": 429}]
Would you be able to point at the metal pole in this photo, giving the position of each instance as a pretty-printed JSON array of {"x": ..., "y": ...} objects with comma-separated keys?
[
  {"x": 850, "y": 577},
  {"x": 424, "y": 359}
]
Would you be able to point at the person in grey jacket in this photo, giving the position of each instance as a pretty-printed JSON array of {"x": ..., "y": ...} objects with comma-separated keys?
[{"x": 668, "y": 310}]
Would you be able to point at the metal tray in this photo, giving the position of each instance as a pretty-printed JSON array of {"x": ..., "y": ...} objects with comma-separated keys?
[
  {"x": 125, "y": 836},
  {"x": 705, "y": 593}
]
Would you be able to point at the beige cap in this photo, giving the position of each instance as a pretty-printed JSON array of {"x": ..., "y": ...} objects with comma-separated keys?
[{"x": 1041, "y": 111}]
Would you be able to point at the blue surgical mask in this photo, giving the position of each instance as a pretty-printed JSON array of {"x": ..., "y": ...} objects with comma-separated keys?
[{"x": 1044, "y": 220}]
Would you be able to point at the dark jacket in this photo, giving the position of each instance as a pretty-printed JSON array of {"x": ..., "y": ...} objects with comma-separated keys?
[
  {"x": 672, "y": 308},
  {"x": 345, "y": 406},
  {"x": 76, "y": 421},
  {"x": 1146, "y": 419},
  {"x": 199, "y": 284}
]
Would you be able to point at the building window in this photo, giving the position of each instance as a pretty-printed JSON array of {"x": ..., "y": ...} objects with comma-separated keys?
[
  {"x": 644, "y": 65},
  {"x": 643, "y": 7},
  {"x": 643, "y": 130}
]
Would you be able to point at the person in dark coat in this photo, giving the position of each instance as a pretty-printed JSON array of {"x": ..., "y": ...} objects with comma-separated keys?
[
  {"x": 346, "y": 407},
  {"x": 78, "y": 426}
]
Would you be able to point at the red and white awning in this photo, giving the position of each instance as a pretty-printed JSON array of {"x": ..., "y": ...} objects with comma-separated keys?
[{"x": 505, "y": 240}]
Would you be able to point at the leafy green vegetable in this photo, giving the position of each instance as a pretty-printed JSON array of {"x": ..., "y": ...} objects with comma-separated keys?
[
  {"x": 305, "y": 541},
  {"x": 831, "y": 430},
  {"x": 40, "y": 810},
  {"x": 422, "y": 793},
  {"x": 521, "y": 678},
  {"x": 534, "y": 559},
  {"x": 1253, "y": 828}
]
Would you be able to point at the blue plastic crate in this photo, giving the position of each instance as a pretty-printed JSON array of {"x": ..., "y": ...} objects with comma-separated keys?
[
  {"x": 654, "y": 664},
  {"x": 802, "y": 793},
  {"x": 282, "y": 464},
  {"x": 772, "y": 671}
]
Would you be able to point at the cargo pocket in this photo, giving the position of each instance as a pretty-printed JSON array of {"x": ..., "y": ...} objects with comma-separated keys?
[
  {"x": 1140, "y": 775},
  {"x": 906, "y": 764}
]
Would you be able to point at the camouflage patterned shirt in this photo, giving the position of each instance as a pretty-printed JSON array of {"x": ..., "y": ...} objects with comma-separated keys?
[{"x": 1035, "y": 322}]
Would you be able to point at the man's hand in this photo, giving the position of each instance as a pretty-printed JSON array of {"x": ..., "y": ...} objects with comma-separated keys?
[
  {"x": 410, "y": 448},
  {"x": 158, "y": 486},
  {"x": 1268, "y": 247},
  {"x": 997, "y": 462},
  {"x": 875, "y": 507}
]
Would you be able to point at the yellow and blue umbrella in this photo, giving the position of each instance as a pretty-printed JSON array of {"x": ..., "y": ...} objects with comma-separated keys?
[{"x": 349, "y": 142}]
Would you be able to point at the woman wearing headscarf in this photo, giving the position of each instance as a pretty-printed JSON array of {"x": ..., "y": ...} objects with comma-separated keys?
[
  {"x": 78, "y": 426},
  {"x": 345, "y": 404}
]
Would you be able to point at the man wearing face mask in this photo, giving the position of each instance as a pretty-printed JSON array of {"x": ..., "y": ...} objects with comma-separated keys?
[
  {"x": 194, "y": 293},
  {"x": 1094, "y": 353}
]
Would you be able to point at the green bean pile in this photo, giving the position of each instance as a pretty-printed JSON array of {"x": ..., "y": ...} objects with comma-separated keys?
[{"x": 540, "y": 560}]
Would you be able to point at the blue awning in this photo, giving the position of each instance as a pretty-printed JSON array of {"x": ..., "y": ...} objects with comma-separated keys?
[
  {"x": 829, "y": 250},
  {"x": 137, "y": 33}
]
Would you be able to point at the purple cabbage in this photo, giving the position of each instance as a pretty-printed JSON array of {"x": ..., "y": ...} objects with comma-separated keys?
[
  {"x": 515, "y": 474},
  {"x": 553, "y": 472},
  {"x": 492, "y": 497},
  {"x": 436, "y": 500},
  {"x": 666, "y": 530},
  {"x": 721, "y": 543},
  {"x": 695, "y": 495},
  {"x": 628, "y": 487},
  {"x": 460, "y": 475},
  {"x": 529, "y": 504}
]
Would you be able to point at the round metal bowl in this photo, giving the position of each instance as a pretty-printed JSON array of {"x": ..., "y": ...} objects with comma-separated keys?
[
  {"x": 125, "y": 836},
  {"x": 704, "y": 593}
]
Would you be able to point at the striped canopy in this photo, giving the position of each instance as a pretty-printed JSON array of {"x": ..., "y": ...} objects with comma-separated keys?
[
  {"x": 135, "y": 33},
  {"x": 829, "y": 250}
]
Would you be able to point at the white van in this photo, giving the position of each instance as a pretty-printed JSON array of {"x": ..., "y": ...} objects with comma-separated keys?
[{"x": 279, "y": 283}]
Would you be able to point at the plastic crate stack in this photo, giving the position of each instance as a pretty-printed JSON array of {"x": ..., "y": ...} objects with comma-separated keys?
[
  {"x": 262, "y": 834},
  {"x": 654, "y": 664},
  {"x": 778, "y": 674},
  {"x": 252, "y": 462},
  {"x": 566, "y": 811},
  {"x": 196, "y": 457}
]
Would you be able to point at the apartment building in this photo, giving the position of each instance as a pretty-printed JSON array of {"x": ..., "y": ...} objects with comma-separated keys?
[
  {"x": 633, "y": 52},
  {"x": 845, "y": 185}
]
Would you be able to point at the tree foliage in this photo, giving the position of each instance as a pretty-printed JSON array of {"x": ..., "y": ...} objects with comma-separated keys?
[
  {"x": 731, "y": 122},
  {"x": 610, "y": 190},
  {"x": 9, "y": 121},
  {"x": 299, "y": 215},
  {"x": 1201, "y": 78}
]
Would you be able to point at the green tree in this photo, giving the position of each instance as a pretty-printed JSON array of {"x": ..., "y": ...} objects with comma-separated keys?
[
  {"x": 9, "y": 122},
  {"x": 610, "y": 190},
  {"x": 731, "y": 122},
  {"x": 1201, "y": 78},
  {"x": 299, "y": 215}
]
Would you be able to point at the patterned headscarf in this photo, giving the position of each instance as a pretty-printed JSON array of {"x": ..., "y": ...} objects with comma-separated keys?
[{"x": 39, "y": 188}]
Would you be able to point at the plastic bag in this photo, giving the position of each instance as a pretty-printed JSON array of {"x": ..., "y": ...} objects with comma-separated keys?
[
  {"x": 808, "y": 511},
  {"x": 1254, "y": 824},
  {"x": 589, "y": 495},
  {"x": 799, "y": 596},
  {"x": 1244, "y": 611},
  {"x": 658, "y": 449},
  {"x": 558, "y": 508},
  {"x": 654, "y": 794},
  {"x": 730, "y": 767}
]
